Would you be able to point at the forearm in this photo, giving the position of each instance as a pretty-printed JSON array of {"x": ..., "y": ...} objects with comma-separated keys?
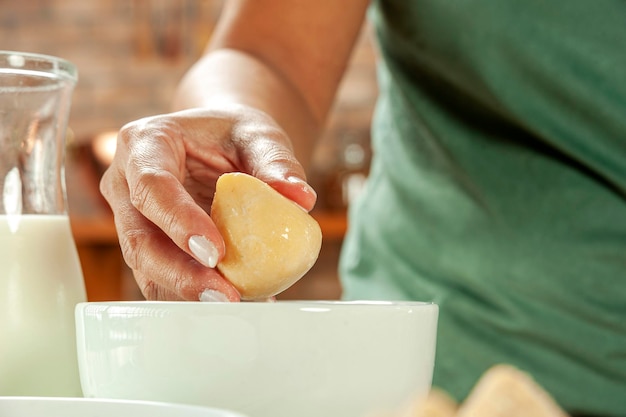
[{"x": 283, "y": 57}]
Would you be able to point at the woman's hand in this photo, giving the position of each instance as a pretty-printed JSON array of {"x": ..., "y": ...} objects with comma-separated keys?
[{"x": 160, "y": 187}]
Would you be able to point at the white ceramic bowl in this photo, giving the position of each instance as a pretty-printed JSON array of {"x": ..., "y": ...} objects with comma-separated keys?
[
  {"x": 283, "y": 359},
  {"x": 91, "y": 407}
]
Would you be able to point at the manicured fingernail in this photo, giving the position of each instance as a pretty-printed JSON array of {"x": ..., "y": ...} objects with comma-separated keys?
[
  {"x": 213, "y": 296},
  {"x": 204, "y": 250},
  {"x": 305, "y": 186}
]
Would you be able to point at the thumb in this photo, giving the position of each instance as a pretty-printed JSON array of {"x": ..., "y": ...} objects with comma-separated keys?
[
  {"x": 297, "y": 189},
  {"x": 274, "y": 162},
  {"x": 287, "y": 177}
]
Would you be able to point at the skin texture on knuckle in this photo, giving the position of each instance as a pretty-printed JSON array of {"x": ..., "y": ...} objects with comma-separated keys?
[
  {"x": 146, "y": 183},
  {"x": 153, "y": 142},
  {"x": 166, "y": 284},
  {"x": 132, "y": 246},
  {"x": 149, "y": 289},
  {"x": 171, "y": 283},
  {"x": 182, "y": 285}
]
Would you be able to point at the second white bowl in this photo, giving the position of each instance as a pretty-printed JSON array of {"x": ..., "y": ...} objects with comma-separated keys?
[{"x": 92, "y": 407}]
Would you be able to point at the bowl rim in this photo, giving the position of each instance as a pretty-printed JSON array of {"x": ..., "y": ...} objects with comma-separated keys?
[{"x": 268, "y": 304}]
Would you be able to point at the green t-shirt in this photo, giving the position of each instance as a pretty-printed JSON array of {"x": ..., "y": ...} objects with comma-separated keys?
[{"x": 498, "y": 189}]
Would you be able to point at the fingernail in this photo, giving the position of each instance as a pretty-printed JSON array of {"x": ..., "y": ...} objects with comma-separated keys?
[
  {"x": 213, "y": 296},
  {"x": 305, "y": 186},
  {"x": 204, "y": 250}
]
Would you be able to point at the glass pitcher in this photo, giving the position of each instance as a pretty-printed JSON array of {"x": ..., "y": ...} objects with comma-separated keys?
[{"x": 41, "y": 279}]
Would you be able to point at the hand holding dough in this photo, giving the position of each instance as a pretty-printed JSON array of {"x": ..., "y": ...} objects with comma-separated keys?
[{"x": 271, "y": 242}]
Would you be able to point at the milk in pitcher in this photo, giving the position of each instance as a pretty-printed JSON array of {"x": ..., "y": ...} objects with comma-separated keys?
[{"x": 40, "y": 283}]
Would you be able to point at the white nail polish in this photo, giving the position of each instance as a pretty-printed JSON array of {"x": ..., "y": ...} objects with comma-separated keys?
[
  {"x": 204, "y": 250},
  {"x": 303, "y": 184},
  {"x": 213, "y": 296}
]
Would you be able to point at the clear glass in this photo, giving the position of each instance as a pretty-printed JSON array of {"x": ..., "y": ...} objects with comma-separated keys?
[{"x": 41, "y": 279}]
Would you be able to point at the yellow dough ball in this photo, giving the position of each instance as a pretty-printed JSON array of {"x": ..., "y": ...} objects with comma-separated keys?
[{"x": 271, "y": 242}]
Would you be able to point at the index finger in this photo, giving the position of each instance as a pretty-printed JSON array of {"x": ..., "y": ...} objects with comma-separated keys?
[{"x": 152, "y": 157}]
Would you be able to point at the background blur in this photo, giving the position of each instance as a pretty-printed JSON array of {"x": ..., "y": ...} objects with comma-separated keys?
[{"x": 130, "y": 55}]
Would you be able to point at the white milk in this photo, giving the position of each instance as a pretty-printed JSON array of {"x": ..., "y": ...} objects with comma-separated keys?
[{"x": 41, "y": 281}]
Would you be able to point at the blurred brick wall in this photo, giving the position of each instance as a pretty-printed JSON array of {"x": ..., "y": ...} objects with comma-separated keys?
[{"x": 130, "y": 53}]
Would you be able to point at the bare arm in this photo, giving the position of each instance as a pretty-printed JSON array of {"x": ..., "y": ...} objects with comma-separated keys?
[{"x": 285, "y": 58}]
